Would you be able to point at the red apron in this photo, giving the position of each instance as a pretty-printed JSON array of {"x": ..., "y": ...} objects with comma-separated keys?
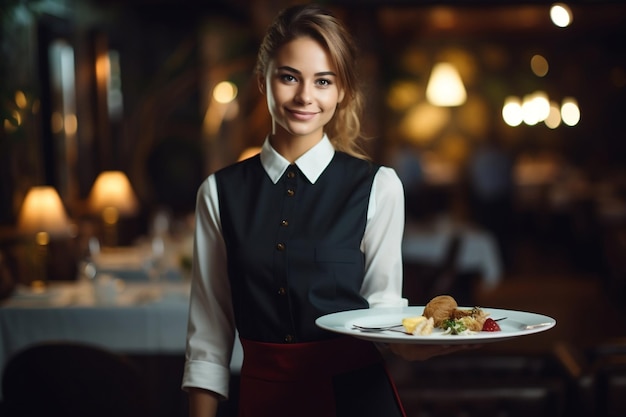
[{"x": 333, "y": 378}]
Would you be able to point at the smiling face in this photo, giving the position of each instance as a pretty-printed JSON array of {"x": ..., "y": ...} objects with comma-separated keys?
[{"x": 302, "y": 91}]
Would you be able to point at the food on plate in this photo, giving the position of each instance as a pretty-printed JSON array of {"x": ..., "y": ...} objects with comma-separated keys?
[
  {"x": 473, "y": 319},
  {"x": 491, "y": 325},
  {"x": 418, "y": 325},
  {"x": 440, "y": 308},
  {"x": 452, "y": 326},
  {"x": 410, "y": 323},
  {"x": 443, "y": 312}
]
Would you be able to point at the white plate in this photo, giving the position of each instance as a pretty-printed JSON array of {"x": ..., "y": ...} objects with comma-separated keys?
[{"x": 513, "y": 326}]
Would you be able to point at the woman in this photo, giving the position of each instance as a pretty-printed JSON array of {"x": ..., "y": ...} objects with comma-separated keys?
[{"x": 307, "y": 228}]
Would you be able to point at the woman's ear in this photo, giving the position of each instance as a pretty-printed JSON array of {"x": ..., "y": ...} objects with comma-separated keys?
[
  {"x": 342, "y": 94},
  {"x": 261, "y": 82}
]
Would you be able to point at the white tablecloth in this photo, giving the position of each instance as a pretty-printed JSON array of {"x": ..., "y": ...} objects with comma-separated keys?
[
  {"x": 478, "y": 251},
  {"x": 144, "y": 318}
]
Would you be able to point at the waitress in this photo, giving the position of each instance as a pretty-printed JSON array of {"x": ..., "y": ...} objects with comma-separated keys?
[{"x": 306, "y": 228}]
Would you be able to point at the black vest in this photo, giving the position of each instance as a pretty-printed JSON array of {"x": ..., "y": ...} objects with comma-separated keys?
[{"x": 293, "y": 247}]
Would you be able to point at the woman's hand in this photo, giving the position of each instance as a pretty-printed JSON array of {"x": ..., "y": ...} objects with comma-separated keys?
[{"x": 417, "y": 352}]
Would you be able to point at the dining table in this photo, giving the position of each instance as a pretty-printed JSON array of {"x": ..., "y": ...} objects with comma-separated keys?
[
  {"x": 130, "y": 317},
  {"x": 427, "y": 242}
]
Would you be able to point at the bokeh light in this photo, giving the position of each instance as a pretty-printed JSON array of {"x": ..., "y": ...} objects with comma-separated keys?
[
  {"x": 561, "y": 15},
  {"x": 225, "y": 92},
  {"x": 570, "y": 112},
  {"x": 539, "y": 65},
  {"x": 512, "y": 111}
]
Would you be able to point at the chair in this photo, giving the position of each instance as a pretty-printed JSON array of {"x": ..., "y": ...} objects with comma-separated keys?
[
  {"x": 71, "y": 380},
  {"x": 423, "y": 281},
  {"x": 477, "y": 384},
  {"x": 597, "y": 376}
]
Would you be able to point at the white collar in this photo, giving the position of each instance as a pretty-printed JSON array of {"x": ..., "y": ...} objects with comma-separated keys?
[{"x": 312, "y": 163}]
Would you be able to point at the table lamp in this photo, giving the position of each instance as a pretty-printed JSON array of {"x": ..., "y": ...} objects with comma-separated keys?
[
  {"x": 43, "y": 216},
  {"x": 445, "y": 87},
  {"x": 112, "y": 197}
]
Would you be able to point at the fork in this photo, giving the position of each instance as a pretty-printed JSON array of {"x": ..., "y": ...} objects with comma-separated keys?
[{"x": 394, "y": 328}]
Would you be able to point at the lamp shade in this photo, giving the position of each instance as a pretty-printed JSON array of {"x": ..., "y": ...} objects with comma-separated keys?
[
  {"x": 445, "y": 87},
  {"x": 112, "y": 189},
  {"x": 43, "y": 211}
]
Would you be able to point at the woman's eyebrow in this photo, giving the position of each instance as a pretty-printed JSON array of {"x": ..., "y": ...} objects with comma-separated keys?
[{"x": 317, "y": 74}]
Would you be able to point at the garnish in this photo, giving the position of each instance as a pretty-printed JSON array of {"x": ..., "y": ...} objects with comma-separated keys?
[
  {"x": 490, "y": 325},
  {"x": 453, "y": 326}
]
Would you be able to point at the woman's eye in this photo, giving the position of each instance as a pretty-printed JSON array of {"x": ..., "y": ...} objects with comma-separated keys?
[
  {"x": 288, "y": 78},
  {"x": 324, "y": 82}
]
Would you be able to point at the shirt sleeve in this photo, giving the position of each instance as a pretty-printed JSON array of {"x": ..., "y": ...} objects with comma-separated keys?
[
  {"x": 382, "y": 242},
  {"x": 211, "y": 324}
]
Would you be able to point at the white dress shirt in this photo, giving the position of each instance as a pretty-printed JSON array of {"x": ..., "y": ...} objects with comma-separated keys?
[{"x": 211, "y": 330}]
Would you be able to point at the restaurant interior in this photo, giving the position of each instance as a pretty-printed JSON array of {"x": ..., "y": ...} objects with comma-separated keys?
[{"x": 505, "y": 120}]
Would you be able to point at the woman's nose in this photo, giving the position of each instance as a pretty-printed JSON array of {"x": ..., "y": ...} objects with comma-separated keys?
[{"x": 303, "y": 95}]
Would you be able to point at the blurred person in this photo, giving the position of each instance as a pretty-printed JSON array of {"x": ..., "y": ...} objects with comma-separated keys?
[
  {"x": 306, "y": 228},
  {"x": 491, "y": 184}
]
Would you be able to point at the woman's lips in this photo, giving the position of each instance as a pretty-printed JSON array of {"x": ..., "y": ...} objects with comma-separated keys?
[{"x": 302, "y": 115}]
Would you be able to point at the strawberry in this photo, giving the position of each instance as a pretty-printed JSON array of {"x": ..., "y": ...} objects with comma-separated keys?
[{"x": 490, "y": 325}]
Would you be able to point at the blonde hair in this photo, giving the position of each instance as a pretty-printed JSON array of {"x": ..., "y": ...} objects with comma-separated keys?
[{"x": 344, "y": 130}]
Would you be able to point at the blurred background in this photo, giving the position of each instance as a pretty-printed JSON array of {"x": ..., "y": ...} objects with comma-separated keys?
[{"x": 520, "y": 158}]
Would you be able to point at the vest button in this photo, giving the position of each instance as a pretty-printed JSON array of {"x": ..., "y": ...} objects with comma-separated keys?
[
  {"x": 291, "y": 174},
  {"x": 280, "y": 246},
  {"x": 282, "y": 291},
  {"x": 290, "y": 192},
  {"x": 284, "y": 223},
  {"x": 288, "y": 338}
]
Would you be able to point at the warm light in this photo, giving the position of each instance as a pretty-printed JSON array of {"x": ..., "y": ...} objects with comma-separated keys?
[
  {"x": 445, "y": 87},
  {"x": 18, "y": 117},
  {"x": 71, "y": 124},
  {"x": 529, "y": 115},
  {"x": 422, "y": 123},
  {"x": 113, "y": 189},
  {"x": 539, "y": 65},
  {"x": 561, "y": 15},
  {"x": 570, "y": 113},
  {"x": 9, "y": 127},
  {"x": 42, "y": 238},
  {"x": 402, "y": 94},
  {"x": 20, "y": 99},
  {"x": 103, "y": 68},
  {"x": 222, "y": 107},
  {"x": 512, "y": 111},
  {"x": 249, "y": 152},
  {"x": 225, "y": 92},
  {"x": 541, "y": 104},
  {"x": 43, "y": 211},
  {"x": 554, "y": 117},
  {"x": 112, "y": 197},
  {"x": 110, "y": 215},
  {"x": 535, "y": 108}
]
